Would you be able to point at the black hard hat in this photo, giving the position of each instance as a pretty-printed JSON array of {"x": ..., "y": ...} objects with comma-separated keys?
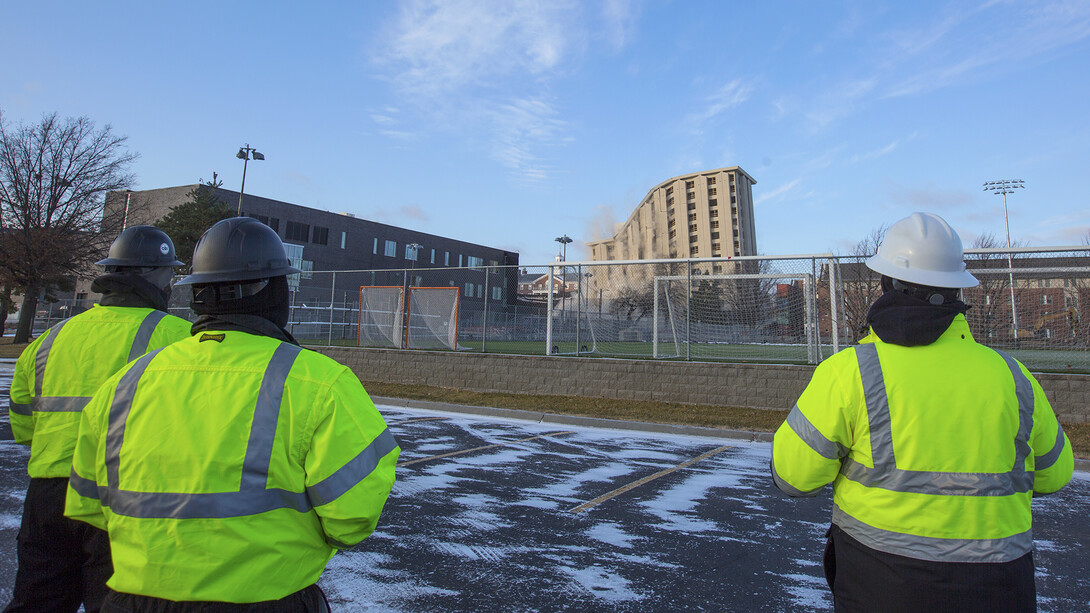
[
  {"x": 141, "y": 246},
  {"x": 238, "y": 249}
]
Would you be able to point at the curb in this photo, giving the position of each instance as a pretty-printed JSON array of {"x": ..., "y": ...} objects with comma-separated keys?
[
  {"x": 598, "y": 422},
  {"x": 575, "y": 420}
]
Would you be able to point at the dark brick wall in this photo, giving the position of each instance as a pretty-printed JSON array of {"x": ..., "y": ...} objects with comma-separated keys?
[{"x": 759, "y": 386}]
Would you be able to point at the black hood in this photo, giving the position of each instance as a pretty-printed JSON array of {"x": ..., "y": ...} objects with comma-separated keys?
[
  {"x": 905, "y": 320},
  {"x": 126, "y": 289}
]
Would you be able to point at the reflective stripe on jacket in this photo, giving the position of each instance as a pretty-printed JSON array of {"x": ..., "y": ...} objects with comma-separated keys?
[
  {"x": 230, "y": 467},
  {"x": 934, "y": 451},
  {"x": 58, "y": 373}
]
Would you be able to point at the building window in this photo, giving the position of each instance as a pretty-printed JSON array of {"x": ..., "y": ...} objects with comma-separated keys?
[
  {"x": 669, "y": 191},
  {"x": 262, "y": 218},
  {"x": 297, "y": 231},
  {"x": 690, "y": 184},
  {"x": 433, "y": 256},
  {"x": 715, "y": 235},
  {"x": 497, "y": 292},
  {"x": 391, "y": 249},
  {"x": 344, "y": 239},
  {"x": 690, "y": 196},
  {"x": 446, "y": 258},
  {"x": 474, "y": 262},
  {"x": 320, "y": 236},
  {"x": 410, "y": 253},
  {"x": 1046, "y": 299},
  {"x": 693, "y": 238},
  {"x": 694, "y": 250},
  {"x": 376, "y": 247},
  {"x": 715, "y": 224},
  {"x": 692, "y": 227},
  {"x": 711, "y": 180},
  {"x": 987, "y": 298},
  {"x": 480, "y": 290},
  {"x": 469, "y": 290},
  {"x": 692, "y": 216},
  {"x": 459, "y": 260},
  {"x": 715, "y": 213},
  {"x": 711, "y": 192},
  {"x": 715, "y": 248},
  {"x": 673, "y": 233},
  {"x": 670, "y": 201},
  {"x": 671, "y": 223},
  {"x": 733, "y": 200}
]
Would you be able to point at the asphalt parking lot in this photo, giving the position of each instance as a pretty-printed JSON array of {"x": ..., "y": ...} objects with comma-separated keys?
[{"x": 491, "y": 513}]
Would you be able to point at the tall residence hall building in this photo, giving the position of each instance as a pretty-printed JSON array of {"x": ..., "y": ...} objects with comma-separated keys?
[{"x": 699, "y": 215}]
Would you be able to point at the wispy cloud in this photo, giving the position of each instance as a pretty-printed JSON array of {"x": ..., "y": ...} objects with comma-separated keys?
[
  {"x": 931, "y": 199},
  {"x": 728, "y": 96},
  {"x": 620, "y": 17},
  {"x": 877, "y": 153},
  {"x": 437, "y": 46},
  {"x": 520, "y": 129},
  {"x": 777, "y": 193}
]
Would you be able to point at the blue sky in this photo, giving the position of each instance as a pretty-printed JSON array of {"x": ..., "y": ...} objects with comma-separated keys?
[{"x": 511, "y": 122}]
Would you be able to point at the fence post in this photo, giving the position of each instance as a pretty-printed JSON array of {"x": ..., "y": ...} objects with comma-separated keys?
[
  {"x": 484, "y": 324},
  {"x": 332, "y": 298},
  {"x": 688, "y": 307},
  {"x": 549, "y": 317},
  {"x": 834, "y": 299}
]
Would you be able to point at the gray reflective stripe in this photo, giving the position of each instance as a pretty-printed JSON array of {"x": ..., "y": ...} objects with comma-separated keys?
[
  {"x": 933, "y": 548},
  {"x": 1042, "y": 462},
  {"x": 1024, "y": 391},
  {"x": 18, "y": 408},
  {"x": 143, "y": 334},
  {"x": 813, "y": 437},
  {"x": 84, "y": 487},
  {"x": 937, "y": 483},
  {"x": 874, "y": 390},
  {"x": 119, "y": 413},
  {"x": 885, "y": 473},
  {"x": 42, "y": 356},
  {"x": 356, "y": 470},
  {"x": 216, "y": 505},
  {"x": 255, "y": 468},
  {"x": 59, "y": 404},
  {"x": 786, "y": 487}
]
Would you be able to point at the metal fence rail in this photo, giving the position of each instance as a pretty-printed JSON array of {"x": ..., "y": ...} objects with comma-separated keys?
[{"x": 786, "y": 309}]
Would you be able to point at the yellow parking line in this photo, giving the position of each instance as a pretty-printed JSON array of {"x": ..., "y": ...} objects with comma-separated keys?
[
  {"x": 464, "y": 451},
  {"x": 599, "y": 500}
]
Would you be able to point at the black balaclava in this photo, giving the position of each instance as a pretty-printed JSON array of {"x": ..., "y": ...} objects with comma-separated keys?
[
  {"x": 265, "y": 312},
  {"x": 143, "y": 287},
  {"x": 912, "y": 315}
]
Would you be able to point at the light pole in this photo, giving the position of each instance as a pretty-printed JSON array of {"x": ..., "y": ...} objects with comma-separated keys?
[
  {"x": 1007, "y": 186},
  {"x": 563, "y": 240},
  {"x": 244, "y": 154},
  {"x": 416, "y": 253}
]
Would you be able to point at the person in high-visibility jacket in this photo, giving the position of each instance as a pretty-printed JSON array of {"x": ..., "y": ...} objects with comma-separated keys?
[
  {"x": 63, "y": 563},
  {"x": 934, "y": 445},
  {"x": 231, "y": 466}
]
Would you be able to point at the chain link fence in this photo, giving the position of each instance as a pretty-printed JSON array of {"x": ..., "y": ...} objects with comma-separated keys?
[{"x": 1031, "y": 302}]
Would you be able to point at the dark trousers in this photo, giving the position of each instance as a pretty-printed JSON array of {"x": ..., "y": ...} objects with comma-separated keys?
[
  {"x": 62, "y": 562},
  {"x": 307, "y": 600},
  {"x": 864, "y": 579}
]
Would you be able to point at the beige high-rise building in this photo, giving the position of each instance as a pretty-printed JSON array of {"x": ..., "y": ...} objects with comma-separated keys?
[{"x": 699, "y": 215}]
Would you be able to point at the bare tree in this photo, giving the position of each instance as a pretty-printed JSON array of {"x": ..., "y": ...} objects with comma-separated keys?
[
  {"x": 54, "y": 176},
  {"x": 860, "y": 285}
]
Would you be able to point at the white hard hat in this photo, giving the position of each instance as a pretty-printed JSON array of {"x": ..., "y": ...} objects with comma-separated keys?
[{"x": 923, "y": 249}]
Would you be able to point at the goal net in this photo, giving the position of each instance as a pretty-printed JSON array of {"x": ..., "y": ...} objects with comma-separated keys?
[
  {"x": 428, "y": 319},
  {"x": 704, "y": 315},
  {"x": 382, "y": 316}
]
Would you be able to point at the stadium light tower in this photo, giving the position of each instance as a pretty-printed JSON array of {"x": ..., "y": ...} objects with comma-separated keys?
[
  {"x": 244, "y": 154},
  {"x": 1007, "y": 186}
]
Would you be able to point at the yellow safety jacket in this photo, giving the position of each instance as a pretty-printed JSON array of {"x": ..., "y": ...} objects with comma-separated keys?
[
  {"x": 59, "y": 372},
  {"x": 934, "y": 451},
  {"x": 230, "y": 467}
]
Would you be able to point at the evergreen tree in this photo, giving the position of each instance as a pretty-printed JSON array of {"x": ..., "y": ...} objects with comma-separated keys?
[{"x": 188, "y": 221}]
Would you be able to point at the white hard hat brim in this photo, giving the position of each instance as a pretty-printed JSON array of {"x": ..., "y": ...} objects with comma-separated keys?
[{"x": 933, "y": 278}]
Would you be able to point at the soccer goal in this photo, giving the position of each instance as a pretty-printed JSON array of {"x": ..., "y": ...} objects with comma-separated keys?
[
  {"x": 712, "y": 314},
  {"x": 428, "y": 319}
]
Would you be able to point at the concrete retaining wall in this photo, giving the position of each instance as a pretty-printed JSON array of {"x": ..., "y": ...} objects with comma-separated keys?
[{"x": 759, "y": 386}]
